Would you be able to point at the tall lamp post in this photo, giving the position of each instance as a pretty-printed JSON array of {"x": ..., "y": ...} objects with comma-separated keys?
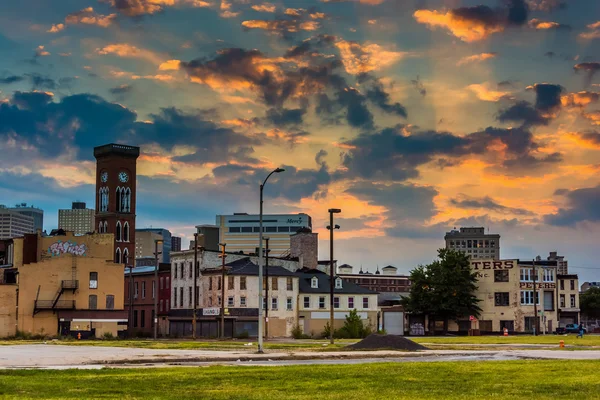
[
  {"x": 267, "y": 286},
  {"x": 155, "y": 294},
  {"x": 194, "y": 290},
  {"x": 223, "y": 255},
  {"x": 260, "y": 263},
  {"x": 331, "y": 227}
]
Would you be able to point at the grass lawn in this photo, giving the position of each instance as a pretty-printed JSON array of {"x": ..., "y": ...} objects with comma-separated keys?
[
  {"x": 437, "y": 380},
  {"x": 193, "y": 345},
  {"x": 587, "y": 340}
]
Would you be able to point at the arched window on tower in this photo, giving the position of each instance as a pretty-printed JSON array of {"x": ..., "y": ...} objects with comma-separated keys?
[
  {"x": 100, "y": 227},
  {"x": 127, "y": 201},
  {"x": 119, "y": 198},
  {"x": 118, "y": 232},
  {"x": 103, "y": 199},
  {"x": 125, "y": 256},
  {"x": 126, "y": 232},
  {"x": 105, "y": 227},
  {"x": 118, "y": 256}
]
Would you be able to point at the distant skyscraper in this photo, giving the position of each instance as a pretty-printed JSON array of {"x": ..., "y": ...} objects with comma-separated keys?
[
  {"x": 14, "y": 224},
  {"x": 175, "y": 243},
  {"x": 36, "y": 213},
  {"x": 474, "y": 242},
  {"x": 145, "y": 244},
  {"x": 562, "y": 264},
  {"x": 78, "y": 219}
]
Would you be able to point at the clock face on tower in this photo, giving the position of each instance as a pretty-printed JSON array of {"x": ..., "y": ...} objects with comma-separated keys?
[
  {"x": 123, "y": 177},
  {"x": 104, "y": 176}
]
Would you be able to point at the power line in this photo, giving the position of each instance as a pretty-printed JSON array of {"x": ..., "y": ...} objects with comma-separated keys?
[{"x": 583, "y": 267}]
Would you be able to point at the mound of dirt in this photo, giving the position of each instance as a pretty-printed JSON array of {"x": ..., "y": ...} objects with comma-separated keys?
[{"x": 380, "y": 342}]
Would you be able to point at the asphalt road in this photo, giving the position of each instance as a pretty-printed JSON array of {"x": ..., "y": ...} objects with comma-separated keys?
[{"x": 61, "y": 357}]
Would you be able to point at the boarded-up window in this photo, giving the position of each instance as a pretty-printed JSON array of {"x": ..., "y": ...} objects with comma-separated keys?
[
  {"x": 93, "y": 302},
  {"x": 110, "y": 302},
  {"x": 93, "y": 280}
]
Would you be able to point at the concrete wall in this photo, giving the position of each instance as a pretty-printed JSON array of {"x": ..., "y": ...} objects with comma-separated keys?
[{"x": 8, "y": 310}]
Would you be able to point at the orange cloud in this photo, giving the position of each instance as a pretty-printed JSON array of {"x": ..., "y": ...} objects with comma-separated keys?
[
  {"x": 169, "y": 65},
  {"x": 593, "y": 117},
  {"x": 265, "y": 7},
  {"x": 359, "y": 58},
  {"x": 281, "y": 25},
  {"x": 40, "y": 51},
  {"x": 126, "y": 50},
  {"x": 485, "y": 93},
  {"x": 543, "y": 25},
  {"x": 56, "y": 28},
  {"x": 468, "y": 30},
  {"x": 594, "y": 33},
  {"x": 87, "y": 16},
  {"x": 580, "y": 99},
  {"x": 476, "y": 58}
]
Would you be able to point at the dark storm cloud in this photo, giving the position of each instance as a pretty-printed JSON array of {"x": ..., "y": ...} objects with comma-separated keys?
[
  {"x": 41, "y": 82},
  {"x": 547, "y": 96},
  {"x": 582, "y": 205},
  {"x": 513, "y": 12},
  {"x": 285, "y": 116},
  {"x": 389, "y": 153},
  {"x": 392, "y": 154},
  {"x": 7, "y": 80},
  {"x": 135, "y": 8},
  {"x": 487, "y": 203},
  {"x": 419, "y": 86},
  {"x": 378, "y": 96},
  {"x": 589, "y": 69},
  {"x": 83, "y": 121},
  {"x": 524, "y": 113},
  {"x": 592, "y": 137},
  {"x": 547, "y": 102}
]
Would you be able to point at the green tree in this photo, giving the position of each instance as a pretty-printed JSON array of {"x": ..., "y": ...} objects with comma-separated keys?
[
  {"x": 445, "y": 289},
  {"x": 589, "y": 301}
]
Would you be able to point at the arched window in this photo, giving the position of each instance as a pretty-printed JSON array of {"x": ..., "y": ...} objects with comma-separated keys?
[
  {"x": 103, "y": 199},
  {"x": 125, "y": 255},
  {"x": 118, "y": 232},
  {"x": 127, "y": 202},
  {"x": 118, "y": 194},
  {"x": 118, "y": 256},
  {"x": 126, "y": 232},
  {"x": 100, "y": 227},
  {"x": 105, "y": 227}
]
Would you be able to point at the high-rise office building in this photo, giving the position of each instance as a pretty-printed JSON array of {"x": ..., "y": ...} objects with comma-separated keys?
[
  {"x": 14, "y": 224},
  {"x": 562, "y": 264},
  {"x": 175, "y": 243},
  {"x": 240, "y": 231},
  {"x": 78, "y": 219},
  {"x": 36, "y": 213},
  {"x": 474, "y": 242},
  {"x": 145, "y": 245}
]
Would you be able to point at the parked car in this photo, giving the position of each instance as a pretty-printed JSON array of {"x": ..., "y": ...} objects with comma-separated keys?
[{"x": 569, "y": 328}]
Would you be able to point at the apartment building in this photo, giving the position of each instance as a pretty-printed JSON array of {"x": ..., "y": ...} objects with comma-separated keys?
[
  {"x": 14, "y": 224},
  {"x": 474, "y": 242},
  {"x": 79, "y": 219}
]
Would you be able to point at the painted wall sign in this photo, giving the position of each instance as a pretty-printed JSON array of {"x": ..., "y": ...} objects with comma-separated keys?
[
  {"x": 542, "y": 285},
  {"x": 69, "y": 247},
  {"x": 505, "y": 264},
  {"x": 211, "y": 311}
]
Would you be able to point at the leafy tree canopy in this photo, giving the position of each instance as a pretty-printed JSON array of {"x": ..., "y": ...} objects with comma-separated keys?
[{"x": 589, "y": 301}]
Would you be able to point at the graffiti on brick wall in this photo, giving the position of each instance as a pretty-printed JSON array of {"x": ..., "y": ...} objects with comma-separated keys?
[{"x": 68, "y": 247}]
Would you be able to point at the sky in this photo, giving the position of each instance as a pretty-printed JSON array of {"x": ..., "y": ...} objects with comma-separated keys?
[{"x": 411, "y": 116}]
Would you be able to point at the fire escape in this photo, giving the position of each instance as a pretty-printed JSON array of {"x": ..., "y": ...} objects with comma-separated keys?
[{"x": 57, "y": 303}]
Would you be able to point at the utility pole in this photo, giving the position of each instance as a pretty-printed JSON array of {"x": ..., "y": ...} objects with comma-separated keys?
[
  {"x": 223, "y": 255},
  {"x": 156, "y": 242},
  {"x": 535, "y": 311},
  {"x": 194, "y": 294},
  {"x": 331, "y": 227},
  {"x": 266, "y": 286},
  {"x": 130, "y": 328}
]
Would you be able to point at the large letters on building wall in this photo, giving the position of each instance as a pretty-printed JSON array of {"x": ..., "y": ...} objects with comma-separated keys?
[
  {"x": 506, "y": 264},
  {"x": 69, "y": 247}
]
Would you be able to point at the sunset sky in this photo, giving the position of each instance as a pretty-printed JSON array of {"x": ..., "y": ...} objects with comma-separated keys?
[{"x": 412, "y": 116}]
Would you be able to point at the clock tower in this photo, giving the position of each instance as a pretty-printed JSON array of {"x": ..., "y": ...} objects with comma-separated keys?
[{"x": 115, "y": 197}]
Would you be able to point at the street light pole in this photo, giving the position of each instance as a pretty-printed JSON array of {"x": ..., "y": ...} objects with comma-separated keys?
[
  {"x": 223, "y": 255},
  {"x": 260, "y": 263},
  {"x": 194, "y": 294},
  {"x": 535, "y": 311},
  {"x": 156, "y": 242},
  {"x": 331, "y": 227},
  {"x": 267, "y": 286}
]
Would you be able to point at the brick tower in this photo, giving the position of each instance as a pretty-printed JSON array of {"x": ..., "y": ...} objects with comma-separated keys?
[{"x": 115, "y": 197}]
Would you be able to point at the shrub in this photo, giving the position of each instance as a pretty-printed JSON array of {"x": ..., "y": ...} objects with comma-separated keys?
[
  {"x": 326, "y": 330},
  {"x": 298, "y": 334},
  {"x": 380, "y": 332},
  {"x": 108, "y": 336}
]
